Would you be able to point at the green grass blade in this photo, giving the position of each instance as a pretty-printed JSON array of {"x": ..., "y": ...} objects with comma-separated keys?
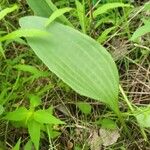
[
  {"x": 56, "y": 14},
  {"x": 17, "y": 146},
  {"x": 4, "y": 12},
  {"x": 104, "y": 8},
  {"x": 81, "y": 14},
  {"x": 45, "y": 8},
  {"x": 23, "y": 33},
  {"x": 2, "y": 50},
  {"x": 141, "y": 31}
]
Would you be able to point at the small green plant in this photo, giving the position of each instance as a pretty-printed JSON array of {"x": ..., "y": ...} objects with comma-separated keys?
[
  {"x": 36, "y": 120},
  {"x": 145, "y": 28}
]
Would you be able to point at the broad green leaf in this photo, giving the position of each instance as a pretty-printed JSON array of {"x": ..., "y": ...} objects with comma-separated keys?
[
  {"x": 34, "y": 100},
  {"x": 4, "y": 12},
  {"x": 43, "y": 116},
  {"x": 57, "y": 13},
  {"x": 141, "y": 31},
  {"x": 107, "y": 123},
  {"x": 104, "y": 8},
  {"x": 84, "y": 107},
  {"x": 143, "y": 117},
  {"x": 77, "y": 59},
  {"x": 17, "y": 146},
  {"x": 17, "y": 115},
  {"x": 23, "y": 33},
  {"x": 34, "y": 132},
  {"x": 81, "y": 14},
  {"x": 45, "y": 8}
]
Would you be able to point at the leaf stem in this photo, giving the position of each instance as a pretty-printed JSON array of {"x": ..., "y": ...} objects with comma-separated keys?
[{"x": 132, "y": 110}]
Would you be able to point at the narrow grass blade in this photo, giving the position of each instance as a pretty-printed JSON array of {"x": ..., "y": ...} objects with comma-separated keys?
[
  {"x": 104, "y": 8},
  {"x": 23, "y": 33},
  {"x": 17, "y": 146},
  {"x": 141, "y": 31},
  {"x": 104, "y": 35},
  {"x": 56, "y": 14},
  {"x": 2, "y": 50},
  {"x": 45, "y": 8},
  {"x": 81, "y": 14},
  {"x": 4, "y": 12}
]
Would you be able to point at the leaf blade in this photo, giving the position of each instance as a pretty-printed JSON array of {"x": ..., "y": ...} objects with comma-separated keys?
[
  {"x": 73, "y": 62},
  {"x": 34, "y": 132},
  {"x": 57, "y": 13},
  {"x": 6, "y": 11},
  {"x": 104, "y": 8},
  {"x": 42, "y": 116}
]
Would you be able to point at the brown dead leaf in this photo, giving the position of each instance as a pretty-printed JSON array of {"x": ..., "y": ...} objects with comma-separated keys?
[
  {"x": 95, "y": 141},
  {"x": 109, "y": 137},
  {"x": 70, "y": 145}
]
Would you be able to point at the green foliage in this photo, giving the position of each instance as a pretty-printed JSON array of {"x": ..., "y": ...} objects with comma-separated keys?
[
  {"x": 43, "y": 116},
  {"x": 17, "y": 146},
  {"x": 34, "y": 101},
  {"x": 103, "y": 37},
  {"x": 33, "y": 119},
  {"x": 105, "y": 7},
  {"x": 18, "y": 115},
  {"x": 74, "y": 57},
  {"x": 84, "y": 107},
  {"x": 81, "y": 14},
  {"x": 31, "y": 69},
  {"x": 107, "y": 123},
  {"x": 6, "y": 11},
  {"x": 41, "y": 7},
  {"x": 141, "y": 31},
  {"x": 143, "y": 117},
  {"x": 34, "y": 131},
  {"x": 67, "y": 61},
  {"x": 22, "y": 33},
  {"x": 45, "y": 8},
  {"x": 147, "y": 6},
  {"x": 28, "y": 145},
  {"x": 57, "y": 13},
  {"x": 1, "y": 109}
]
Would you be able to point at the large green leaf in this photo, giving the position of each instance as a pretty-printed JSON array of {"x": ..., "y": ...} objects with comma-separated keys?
[{"x": 77, "y": 59}]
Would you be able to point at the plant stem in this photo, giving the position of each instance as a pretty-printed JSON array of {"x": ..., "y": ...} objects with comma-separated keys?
[
  {"x": 132, "y": 110},
  {"x": 120, "y": 117},
  {"x": 125, "y": 98}
]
